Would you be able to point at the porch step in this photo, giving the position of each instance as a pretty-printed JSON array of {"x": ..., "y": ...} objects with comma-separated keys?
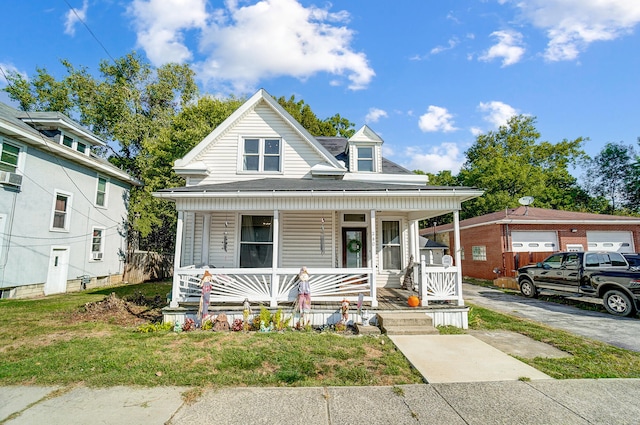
[{"x": 406, "y": 324}]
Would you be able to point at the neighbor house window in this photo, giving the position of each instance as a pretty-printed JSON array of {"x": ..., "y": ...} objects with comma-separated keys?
[
  {"x": 365, "y": 158},
  {"x": 391, "y": 245},
  {"x": 61, "y": 210},
  {"x": 67, "y": 141},
  {"x": 256, "y": 241},
  {"x": 261, "y": 155},
  {"x": 101, "y": 192},
  {"x": 479, "y": 253},
  {"x": 81, "y": 147},
  {"x": 97, "y": 240},
  {"x": 9, "y": 157}
]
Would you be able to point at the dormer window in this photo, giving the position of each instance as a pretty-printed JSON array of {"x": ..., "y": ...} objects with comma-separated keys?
[
  {"x": 261, "y": 155},
  {"x": 67, "y": 141},
  {"x": 74, "y": 144},
  {"x": 365, "y": 159}
]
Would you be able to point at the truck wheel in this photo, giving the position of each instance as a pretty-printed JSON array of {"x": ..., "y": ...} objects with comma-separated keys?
[
  {"x": 528, "y": 289},
  {"x": 618, "y": 303}
]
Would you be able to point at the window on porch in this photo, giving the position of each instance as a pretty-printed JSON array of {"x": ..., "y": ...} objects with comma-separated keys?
[
  {"x": 391, "y": 245},
  {"x": 256, "y": 241}
]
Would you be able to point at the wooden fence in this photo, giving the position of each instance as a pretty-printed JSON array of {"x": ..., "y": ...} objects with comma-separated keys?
[
  {"x": 513, "y": 260},
  {"x": 142, "y": 266}
]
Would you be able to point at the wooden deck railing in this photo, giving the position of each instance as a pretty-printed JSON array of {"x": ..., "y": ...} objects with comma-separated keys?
[
  {"x": 273, "y": 285},
  {"x": 438, "y": 283}
]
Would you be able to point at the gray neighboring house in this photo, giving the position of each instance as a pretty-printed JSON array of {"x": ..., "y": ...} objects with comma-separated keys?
[{"x": 62, "y": 209}]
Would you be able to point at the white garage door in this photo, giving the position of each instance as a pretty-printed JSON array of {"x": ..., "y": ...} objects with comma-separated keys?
[
  {"x": 534, "y": 241},
  {"x": 610, "y": 241}
]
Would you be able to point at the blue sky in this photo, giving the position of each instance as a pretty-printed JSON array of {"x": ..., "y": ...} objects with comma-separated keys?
[{"x": 427, "y": 76}]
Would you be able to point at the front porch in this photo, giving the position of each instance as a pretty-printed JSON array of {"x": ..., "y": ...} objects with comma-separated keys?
[{"x": 439, "y": 290}]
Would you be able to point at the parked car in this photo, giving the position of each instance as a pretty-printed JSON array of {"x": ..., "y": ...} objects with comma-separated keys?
[{"x": 598, "y": 274}]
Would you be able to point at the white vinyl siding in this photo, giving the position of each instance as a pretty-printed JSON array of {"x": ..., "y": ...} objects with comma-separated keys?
[
  {"x": 187, "y": 239},
  {"x": 301, "y": 233},
  {"x": 297, "y": 155},
  {"x": 197, "y": 240},
  {"x": 619, "y": 241},
  {"x": 218, "y": 257}
]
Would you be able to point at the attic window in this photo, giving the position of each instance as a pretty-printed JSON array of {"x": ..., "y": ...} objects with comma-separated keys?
[
  {"x": 261, "y": 155},
  {"x": 365, "y": 158},
  {"x": 67, "y": 141}
]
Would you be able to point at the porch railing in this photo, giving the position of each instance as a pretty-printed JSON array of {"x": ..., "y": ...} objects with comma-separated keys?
[
  {"x": 438, "y": 283},
  {"x": 273, "y": 285}
]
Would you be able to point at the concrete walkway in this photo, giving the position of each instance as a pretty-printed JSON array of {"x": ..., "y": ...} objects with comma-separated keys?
[
  {"x": 609, "y": 401},
  {"x": 618, "y": 331}
]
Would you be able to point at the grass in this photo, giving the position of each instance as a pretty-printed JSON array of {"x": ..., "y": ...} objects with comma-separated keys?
[
  {"x": 49, "y": 341},
  {"x": 590, "y": 359}
]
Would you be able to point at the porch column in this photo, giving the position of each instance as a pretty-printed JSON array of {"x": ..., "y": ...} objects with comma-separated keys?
[
  {"x": 275, "y": 284},
  {"x": 175, "y": 290},
  {"x": 414, "y": 238},
  {"x": 374, "y": 260},
  {"x": 458, "y": 256},
  {"x": 206, "y": 228}
]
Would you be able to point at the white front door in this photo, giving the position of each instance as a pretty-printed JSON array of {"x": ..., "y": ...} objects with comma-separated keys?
[{"x": 57, "y": 274}]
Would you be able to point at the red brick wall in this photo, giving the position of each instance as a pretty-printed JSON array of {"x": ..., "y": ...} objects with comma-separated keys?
[{"x": 493, "y": 237}]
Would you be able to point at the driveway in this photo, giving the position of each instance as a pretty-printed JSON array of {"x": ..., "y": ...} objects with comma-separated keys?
[{"x": 618, "y": 331}]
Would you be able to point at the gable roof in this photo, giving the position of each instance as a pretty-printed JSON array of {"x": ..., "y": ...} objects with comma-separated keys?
[
  {"x": 13, "y": 123},
  {"x": 532, "y": 215},
  {"x": 260, "y": 96}
]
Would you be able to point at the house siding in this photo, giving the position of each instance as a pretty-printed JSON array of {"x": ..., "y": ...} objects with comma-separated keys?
[
  {"x": 301, "y": 234},
  {"x": 26, "y": 248},
  {"x": 223, "y": 155}
]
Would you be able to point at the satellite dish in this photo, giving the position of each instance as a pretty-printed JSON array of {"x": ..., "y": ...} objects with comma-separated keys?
[{"x": 526, "y": 200}]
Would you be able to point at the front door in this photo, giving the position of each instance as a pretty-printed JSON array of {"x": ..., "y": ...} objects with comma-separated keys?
[
  {"x": 57, "y": 274},
  {"x": 354, "y": 247}
]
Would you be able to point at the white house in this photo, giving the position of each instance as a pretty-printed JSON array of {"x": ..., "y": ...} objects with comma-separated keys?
[
  {"x": 263, "y": 198},
  {"x": 62, "y": 209}
]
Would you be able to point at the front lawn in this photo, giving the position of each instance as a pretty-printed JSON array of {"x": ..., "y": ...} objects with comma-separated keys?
[{"x": 57, "y": 340}]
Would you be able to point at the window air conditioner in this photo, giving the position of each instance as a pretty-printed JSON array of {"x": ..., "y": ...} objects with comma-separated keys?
[
  {"x": 97, "y": 255},
  {"x": 11, "y": 179}
]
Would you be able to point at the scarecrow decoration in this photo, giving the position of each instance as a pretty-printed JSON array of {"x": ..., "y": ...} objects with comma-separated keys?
[
  {"x": 304, "y": 292},
  {"x": 344, "y": 308},
  {"x": 205, "y": 284}
]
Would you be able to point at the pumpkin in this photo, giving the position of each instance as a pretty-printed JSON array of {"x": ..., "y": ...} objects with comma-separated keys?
[{"x": 413, "y": 301}]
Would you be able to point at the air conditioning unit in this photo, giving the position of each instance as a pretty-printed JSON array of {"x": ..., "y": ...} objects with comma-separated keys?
[
  {"x": 10, "y": 179},
  {"x": 97, "y": 255}
]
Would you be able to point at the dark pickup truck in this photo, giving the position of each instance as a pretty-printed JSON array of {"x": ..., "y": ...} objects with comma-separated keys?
[{"x": 598, "y": 274}]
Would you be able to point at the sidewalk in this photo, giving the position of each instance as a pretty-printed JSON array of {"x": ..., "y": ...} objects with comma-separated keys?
[{"x": 608, "y": 401}]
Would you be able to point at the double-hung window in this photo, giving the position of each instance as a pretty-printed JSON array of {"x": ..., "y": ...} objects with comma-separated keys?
[
  {"x": 9, "y": 157},
  {"x": 97, "y": 244},
  {"x": 391, "y": 245},
  {"x": 256, "y": 241},
  {"x": 101, "y": 192},
  {"x": 61, "y": 211},
  {"x": 365, "y": 158},
  {"x": 261, "y": 154}
]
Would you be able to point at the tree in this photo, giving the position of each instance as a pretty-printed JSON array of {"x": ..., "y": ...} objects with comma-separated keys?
[
  {"x": 330, "y": 127},
  {"x": 610, "y": 174},
  {"x": 511, "y": 162}
]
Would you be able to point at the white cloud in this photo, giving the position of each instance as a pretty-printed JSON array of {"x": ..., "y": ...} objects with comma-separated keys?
[
  {"x": 437, "y": 118},
  {"x": 240, "y": 45},
  {"x": 571, "y": 25},
  {"x": 374, "y": 115},
  {"x": 446, "y": 156},
  {"x": 509, "y": 48},
  {"x": 476, "y": 131},
  {"x": 161, "y": 24},
  {"x": 496, "y": 112},
  {"x": 74, "y": 16},
  {"x": 453, "y": 42}
]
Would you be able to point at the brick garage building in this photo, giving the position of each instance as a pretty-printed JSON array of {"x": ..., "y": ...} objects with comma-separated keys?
[{"x": 496, "y": 244}]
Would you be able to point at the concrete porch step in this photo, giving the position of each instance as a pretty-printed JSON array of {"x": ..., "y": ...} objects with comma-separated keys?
[
  {"x": 406, "y": 323},
  {"x": 410, "y": 330}
]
